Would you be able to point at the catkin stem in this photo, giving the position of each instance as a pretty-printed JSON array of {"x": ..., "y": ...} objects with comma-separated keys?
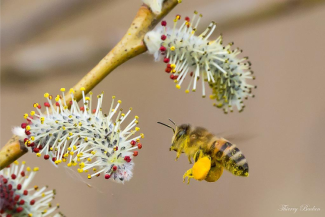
[{"x": 130, "y": 46}]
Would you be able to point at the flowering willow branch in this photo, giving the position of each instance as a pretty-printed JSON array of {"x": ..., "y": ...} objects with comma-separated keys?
[{"x": 131, "y": 45}]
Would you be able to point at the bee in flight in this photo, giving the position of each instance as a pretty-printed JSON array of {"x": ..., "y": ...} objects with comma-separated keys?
[{"x": 210, "y": 153}]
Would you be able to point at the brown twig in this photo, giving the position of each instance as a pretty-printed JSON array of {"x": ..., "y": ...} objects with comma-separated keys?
[{"x": 130, "y": 46}]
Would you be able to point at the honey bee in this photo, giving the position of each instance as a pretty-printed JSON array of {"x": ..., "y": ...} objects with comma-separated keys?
[{"x": 210, "y": 153}]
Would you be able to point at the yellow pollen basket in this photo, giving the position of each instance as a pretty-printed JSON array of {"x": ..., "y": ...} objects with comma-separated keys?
[{"x": 201, "y": 168}]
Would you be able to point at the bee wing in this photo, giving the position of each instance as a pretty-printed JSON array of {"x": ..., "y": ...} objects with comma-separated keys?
[{"x": 237, "y": 137}]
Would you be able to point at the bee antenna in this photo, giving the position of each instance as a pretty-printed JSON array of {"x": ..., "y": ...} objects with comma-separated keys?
[
  {"x": 167, "y": 126},
  {"x": 172, "y": 121}
]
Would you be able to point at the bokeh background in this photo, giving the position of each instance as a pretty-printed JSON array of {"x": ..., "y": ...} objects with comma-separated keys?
[{"x": 46, "y": 45}]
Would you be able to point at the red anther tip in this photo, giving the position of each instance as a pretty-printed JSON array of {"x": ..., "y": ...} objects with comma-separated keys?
[
  {"x": 166, "y": 60},
  {"x": 107, "y": 176},
  {"x": 32, "y": 202},
  {"x": 163, "y": 37},
  {"x": 25, "y": 140},
  {"x": 139, "y": 146},
  {"x": 13, "y": 176},
  {"x": 82, "y": 109},
  {"x": 36, "y": 150},
  {"x": 71, "y": 102},
  {"x": 172, "y": 76},
  {"x": 21, "y": 202},
  {"x": 23, "y": 125},
  {"x": 5, "y": 181},
  {"x": 163, "y": 23},
  {"x": 25, "y": 192},
  {"x": 114, "y": 168},
  {"x": 46, "y": 104},
  {"x": 168, "y": 65},
  {"x": 191, "y": 74},
  {"x": 168, "y": 70},
  {"x": 19, "y": 209},
  {"x": 9, "y": 187},
  {"x": 19, "y": 186},
  {"x": 57, "y": 104},
  {"x": 187, "y": 19},
  {"x": 22, "y": 173},
  {"x": 132, "y": 142},
  {"x": 46, "y": 157},
  {"x": 16, "y": 198},
  {"x": 39, "y": 106},
  {"x": 127, "y": 159},
  {"x": 135, "y": 153},
  {"x": 162, "y": 49},
  {"x": 27, "y": 132},
  {"x": 94, "y": 111},
  {"x": 53, "y": 159},
  {"x": 175, "y": 77}
]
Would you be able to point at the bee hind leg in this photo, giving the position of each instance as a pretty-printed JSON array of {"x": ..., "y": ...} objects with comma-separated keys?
[{"x": 189, "y": 175}]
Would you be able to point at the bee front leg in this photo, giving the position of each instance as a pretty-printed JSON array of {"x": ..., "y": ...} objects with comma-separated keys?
[
  {"x": 189, "y": 159},
  {"x": 178, "y": 155},
  {"x": 189, "y": 175}
]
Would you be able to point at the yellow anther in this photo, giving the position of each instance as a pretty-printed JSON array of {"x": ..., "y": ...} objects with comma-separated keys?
[
  {"x": 27, "y": 127},
  {"x": 87, "y": 98},
  {"x": 23, "y": 162},
  {"x": 28, "y": 169},
  {"x": 175, "y": 81},
  {"x": 46, "y": 95},
  {"x": 71, "y": 153},
  {"x": 119, "y": 101},
  {"x": 25, "y": 116},
  {"x": 66, "y": 155},
  {"x": 43, "y": 195},
  {"x": 172, "y": 48},
  {"x": 51, "y": 148},
  {"x": 89, "y": 159},
  {"x": 113, "y": 97},
  {"x": 64, "y": 160},
  {"x": 71, "y": 90},
  {"x": 173, "y": 66},
  {"x": 32, "y": 113},
  {"x": 82, "y": 165},
  {"x": 142, "y": 135},
  {"x": 63, "y": 128},
  {"x": 137, "y": 128},
  {"x": 136, "y": 122},
  {"x": 78, "y": 159},
  {"x": 36, "y": 169},
  {"x": 82, "y": 89},
  {"x": 69, "y": 164},
  {"x": 32, "y": 138},
  {"x": 35, "y": 105},
  {"x": 178, "y": 86},
  {"x": 136, "y": 117},
  {"x": 16, "y": 162},
  {"x": 122, "y": 114},
  {"x": 57, "y": 99},
  {"x": 80, "y": 124},
  {"x": 74, "y": 147},
  {"x": 138, "y": 140},
  {"x": 35, "y": 187},
  {"x": 86, "y": 139},
  {"x": 38, "y": 154},
  {"x": 93, "y": 152},
  {"x": 62, "y": 89},
  {"x": 89, "y": 176}
]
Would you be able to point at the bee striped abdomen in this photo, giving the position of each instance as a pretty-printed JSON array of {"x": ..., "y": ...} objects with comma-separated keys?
[{"x": 231, "y": 158}]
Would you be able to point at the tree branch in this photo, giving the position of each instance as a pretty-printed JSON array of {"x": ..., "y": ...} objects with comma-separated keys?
[{"x": 131, "y": 45}]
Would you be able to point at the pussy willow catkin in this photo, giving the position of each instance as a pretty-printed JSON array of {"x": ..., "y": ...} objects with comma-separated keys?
[
  {"x": 19, "y": 200},
  {"x": 188, "y": 55},
  {"x": 83, "y": 136}
]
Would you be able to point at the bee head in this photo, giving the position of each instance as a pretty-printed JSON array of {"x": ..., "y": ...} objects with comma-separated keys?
[{"x": 180, "y": 135}]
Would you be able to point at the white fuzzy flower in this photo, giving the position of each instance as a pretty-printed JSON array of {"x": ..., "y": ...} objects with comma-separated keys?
[
  {"x": 17, "y": 200},
  {"x": 84, "y": 136},
  {"x": 155, "y": 5},
  {"x": 197, "y": 56}
]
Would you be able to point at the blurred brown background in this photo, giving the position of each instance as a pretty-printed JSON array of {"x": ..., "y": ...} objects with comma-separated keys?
[{"x": 46, "y": 45}]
